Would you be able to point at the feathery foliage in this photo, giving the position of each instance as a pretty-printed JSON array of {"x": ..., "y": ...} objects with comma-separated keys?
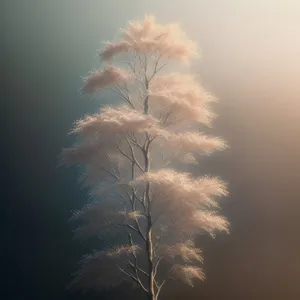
[{"x": 129, "y": 155}]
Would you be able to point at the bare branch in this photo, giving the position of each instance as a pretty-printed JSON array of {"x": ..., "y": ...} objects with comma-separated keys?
[
  {"x": 131, "y": 227},
  {"x": 135, "y": 266},
  {"x": 141, "y": 270},
  {"x": 129, "y": 158},
  {"x": 140, "y": 201},
  {"x": 134, "y": 160},
  {"x": 156, "y": 264},
  {"x": 156, "y": 70},
  {"x": 110, "y": 173},
  {"x": 117, "y": 90},
  {"x": 159, "y": 288},
  {"x": 134, "y": 141},
  {"x": 133, "y": 69},
  {"x": 133, "y": 278},
  {"x": 138, "y": 227}
]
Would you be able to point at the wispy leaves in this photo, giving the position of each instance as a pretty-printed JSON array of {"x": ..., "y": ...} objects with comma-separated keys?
[
  {"x": 188, "y": 273},
  {"x": 114, "y": 120},
  {"x": 100, "y": 268},
  {"x": 147, "y": 36},
  {"x": 100, "y": 79},
  {"x": 182, "y": 95},
  {"x": 117, "y": 148},
  {"x": 185, "y": 202},
  {"x": 183, "y": 188},
  {"x": 186, "y": 251}
]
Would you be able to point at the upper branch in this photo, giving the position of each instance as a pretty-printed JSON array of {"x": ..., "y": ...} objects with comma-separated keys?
[
  {"x": 129, "y": 158},
  {"x": 123, "y": 96},
  {"x": 135, "y": 267},
  {"x": 134, "y": 278}
]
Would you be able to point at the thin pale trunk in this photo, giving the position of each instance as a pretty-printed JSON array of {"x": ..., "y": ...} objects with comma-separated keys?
[
  {"x": 146, "y": 101},
  {"x": 149, "y": 243},
  {"x": 150, "y": 261}
]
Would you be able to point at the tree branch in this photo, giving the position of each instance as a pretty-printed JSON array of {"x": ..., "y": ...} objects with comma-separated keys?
[
  {"x": 135, "y": 266},
  {"x": 130, "y": 159},
  {"x": 159, "y": 288},
  {"x": 134, "y": 141},
  {"x": 141, "y": 270},
  {"x": 134, "y": 160},
  {"x": 156, "y": 264},
  {"x": 109, "y": 172},
  {"x": 134, "y": 279},
  {"x": 117, "y": 90},
  {"x": 133, "y": 69}
]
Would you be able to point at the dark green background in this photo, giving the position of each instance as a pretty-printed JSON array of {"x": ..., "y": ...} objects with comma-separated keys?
[{"x": 250, "y": 61}]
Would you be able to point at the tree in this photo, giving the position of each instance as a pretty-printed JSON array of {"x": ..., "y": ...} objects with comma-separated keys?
[{"x": 129, "y": 153}]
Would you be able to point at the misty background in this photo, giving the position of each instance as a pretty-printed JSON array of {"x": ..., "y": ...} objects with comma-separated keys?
[{"x": 250, "y": 52}]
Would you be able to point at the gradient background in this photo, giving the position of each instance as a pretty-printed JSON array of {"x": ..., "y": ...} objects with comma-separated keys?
[{"x": 251, "y": 61}]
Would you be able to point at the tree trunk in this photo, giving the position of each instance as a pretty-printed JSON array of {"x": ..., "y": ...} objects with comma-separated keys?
[
  {"x": 150, "y": 262},
  {"x": 149, "y": 244}
]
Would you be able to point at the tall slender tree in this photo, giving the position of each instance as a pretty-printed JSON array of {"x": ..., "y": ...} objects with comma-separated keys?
[{"x": 129, "y": 154}]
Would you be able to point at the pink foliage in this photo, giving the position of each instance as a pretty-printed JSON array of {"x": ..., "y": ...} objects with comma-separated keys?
[
  {"x": 101, "y": 79},
  {"x": 187, "y": 273},
  {"x": 183, "y": 188},
  {"x": 159, "y": 210},
  {"x": 196, "y": 142},
  {"x": 123, "y": 249},
  {"x": 112, "y": 49},
  {"x": 183, "y": 96},
  {"x": 183, "y": 85},
  {"x": 114, "y": 121},
  {"x": 210, "y": 222},
  {"x": 187, "y": 251},
  {"x": 147, "y": 36}
]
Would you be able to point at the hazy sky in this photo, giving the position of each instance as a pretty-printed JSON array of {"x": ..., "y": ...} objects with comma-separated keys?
[
  {"x": 251, "y": 53},
  {"x": 249, "y": 44}
]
